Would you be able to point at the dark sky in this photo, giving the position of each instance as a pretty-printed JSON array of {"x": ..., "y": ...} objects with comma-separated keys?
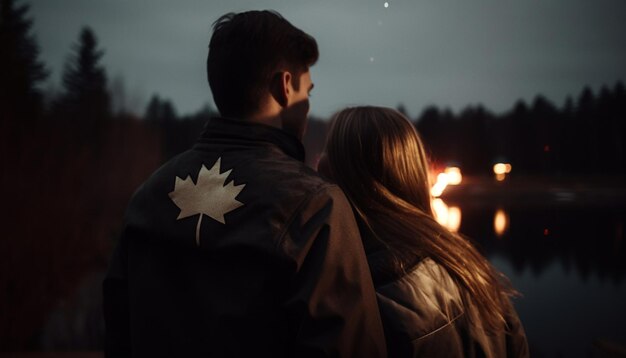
[{"x": 415, "y": 52}]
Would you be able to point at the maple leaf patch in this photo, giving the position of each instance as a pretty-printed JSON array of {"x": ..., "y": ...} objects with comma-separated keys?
[{"x": 209, "y": 196}]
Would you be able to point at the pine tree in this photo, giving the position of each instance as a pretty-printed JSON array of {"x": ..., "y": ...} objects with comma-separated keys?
[
  {"x": 160, "y": 111},
  {"x": 586, "y": 102},
  {"x": 161, "y": 114},
  {"x": 20, "y": 69},
  {"x": 153, "y": 111},
  {"x": 568, "y": 106},
  {"x": 86, "y": 99}
]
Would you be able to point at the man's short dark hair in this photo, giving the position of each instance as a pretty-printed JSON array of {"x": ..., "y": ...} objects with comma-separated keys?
[{"x": 246, "y": 50}]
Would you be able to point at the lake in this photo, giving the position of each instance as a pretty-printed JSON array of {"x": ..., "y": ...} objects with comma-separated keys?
[{"x": 568, "y": 260}]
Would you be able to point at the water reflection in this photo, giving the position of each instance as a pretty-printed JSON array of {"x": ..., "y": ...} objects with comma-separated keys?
[
  {"x": 500, "y": 222},
  {"x": 565, "y": 316},
  {"x": 449, "y": 217},
  {"x": 583, "y": 240},
  {"x": 587, "y": 240},
  {"x": 567, "y": 260}
]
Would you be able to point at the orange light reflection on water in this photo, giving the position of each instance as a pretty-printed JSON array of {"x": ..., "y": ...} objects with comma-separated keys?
[
  {"x": 500, "y": 222},
  {"x": 449, "y": 217}
]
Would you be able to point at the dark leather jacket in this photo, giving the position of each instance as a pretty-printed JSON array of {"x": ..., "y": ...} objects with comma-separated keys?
[
  {"x": 424, "y": 316},
  {"x": 236, "y": 249}
]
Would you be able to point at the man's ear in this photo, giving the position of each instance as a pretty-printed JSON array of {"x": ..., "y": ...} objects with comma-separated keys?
[{"x": 280, "y": 87}]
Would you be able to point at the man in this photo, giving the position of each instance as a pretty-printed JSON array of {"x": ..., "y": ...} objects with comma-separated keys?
[{"x": 235, "y": 248}]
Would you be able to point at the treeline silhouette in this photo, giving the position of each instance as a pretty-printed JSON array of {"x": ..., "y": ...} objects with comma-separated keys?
[
  {"x": 584, "y": 137},
  {"x": 69, "y": 167},
  {"x": 71, "y": 162}
]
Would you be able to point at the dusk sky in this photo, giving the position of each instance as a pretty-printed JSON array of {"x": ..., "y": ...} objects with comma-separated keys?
[{"x": 415, "y": 52}]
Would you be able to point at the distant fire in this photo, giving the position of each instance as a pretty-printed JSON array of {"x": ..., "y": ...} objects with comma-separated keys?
[
  {"x": 454, "y": 175},
  {"x": 450, "y": 176},
  {"x": 501, "y": 170},
  {"x": 440, "y": 185},
  {"x": 449, "y": 217}
]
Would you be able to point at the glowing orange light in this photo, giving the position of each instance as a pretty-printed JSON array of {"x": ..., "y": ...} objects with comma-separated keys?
[
  {"x": 449, "y": 217},
  {"x": 545, "y": 232},
  {"x": 454, "y": 219},
  {"x": 454, "y": 175},
  {"x": 441, "y": 211},
  {"x": 500, "y": 222},
  {"x": 501, "y": 170},
  {"x": 440, "y": 185},
  {"x": 450, "y": 176}
]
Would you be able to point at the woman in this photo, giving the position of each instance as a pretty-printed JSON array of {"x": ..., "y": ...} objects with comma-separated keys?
[{"x": 438, "y": 296}]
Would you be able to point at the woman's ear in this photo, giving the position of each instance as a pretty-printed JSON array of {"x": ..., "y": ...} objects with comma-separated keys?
[{"x": 280, "y": 87}]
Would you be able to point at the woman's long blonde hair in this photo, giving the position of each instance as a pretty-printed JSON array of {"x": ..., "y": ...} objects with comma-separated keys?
[{"x": 376, "y": 156}]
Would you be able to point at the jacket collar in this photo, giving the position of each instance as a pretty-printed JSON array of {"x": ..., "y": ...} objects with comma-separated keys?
[{"x": 234, "y": 130}]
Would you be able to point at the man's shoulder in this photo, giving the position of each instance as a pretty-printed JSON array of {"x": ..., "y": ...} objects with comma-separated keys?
[
  {"x": 260, "y": 189},
  {"x": 273, "y": 175}
]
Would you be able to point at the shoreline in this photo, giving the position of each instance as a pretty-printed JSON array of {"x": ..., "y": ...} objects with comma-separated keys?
[{"x": 537, "y": 191}]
